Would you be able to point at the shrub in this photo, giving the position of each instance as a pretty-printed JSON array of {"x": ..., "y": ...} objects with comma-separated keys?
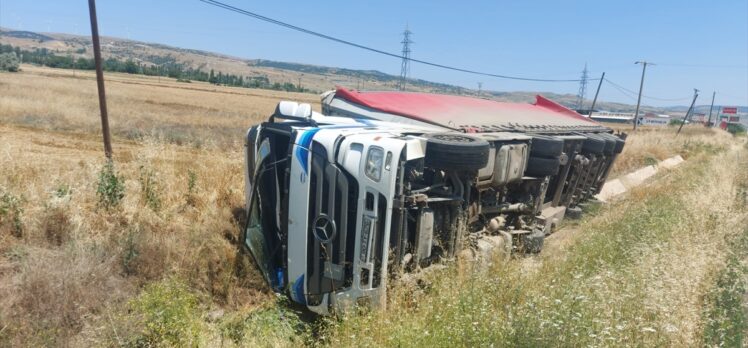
[
  {"x": 57, "y": 225},
  {"x": 111, "y": 188},
  {"x": 168, "y": 315},
  {"x": 736, "y": 128},
  {"x": 10, "y": 213},
  {"x": 150, "y": 188},
  {"x": 9, "y": 62}
]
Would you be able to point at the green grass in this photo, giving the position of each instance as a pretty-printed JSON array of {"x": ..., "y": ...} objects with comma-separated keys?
[{"x": 725, "y": 322}]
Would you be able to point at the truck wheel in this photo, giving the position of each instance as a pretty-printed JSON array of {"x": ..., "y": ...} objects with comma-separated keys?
[
  {"x": 455, "y": 151},
  {"x": 545, "y": 146},
  {"x": 618, "y": 148},
  {"x": 610, "y": 143},
  {"x": 593, "y": 144},
  {"x": 540, "y": 167},
  {"x": 532, "y": 243}
]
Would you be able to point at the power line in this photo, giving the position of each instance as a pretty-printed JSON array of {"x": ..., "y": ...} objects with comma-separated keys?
[
  {"x": 367, "y": 48},
  {"x": 624, "y": 90},
  {"x": 706, "y": 66}
]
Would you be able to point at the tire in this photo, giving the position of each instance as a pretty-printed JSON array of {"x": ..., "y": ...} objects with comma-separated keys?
[
  {"x": 455, "y": 151},
  {"x": 540, "y": 167},
  {"x": 532, "y": 243},
  {"x": 617, "y": 146},
  {"x": 593, "y": 144},
  {"x": 545, "y": 146},
  {"x": 620, "y": 143},
  {"x": 610, "y": 144}
]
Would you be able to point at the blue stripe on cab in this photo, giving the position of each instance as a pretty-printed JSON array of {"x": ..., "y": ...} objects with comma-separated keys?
[{"x": 302, "y": 150}]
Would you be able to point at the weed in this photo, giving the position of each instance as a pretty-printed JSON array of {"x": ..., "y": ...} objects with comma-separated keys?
[
  {"x": 10, "y": 213},
  {"x": 130, "y": 253},
  {"x": 150, "y": 189},
  {"x": 191, "y": 187},
  {"x": 272, "y": 326},
  {"x": 63, "y": 190},
  {"x": 110, "y": 188},
  {"x": 168, "y": 315},
  {"x": 649, "y": 160}
]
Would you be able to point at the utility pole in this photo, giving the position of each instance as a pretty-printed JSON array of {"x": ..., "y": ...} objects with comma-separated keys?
[
  {"x": 641, "y": 86},
  {"x": 709, "y": 122},
  {"x": 480, "y": 88},
  {"x": 582, "y": 88},
  {"x": 690, "y": 108},
  {"x": 100, "y": 79},
  {"x": 405, "y": 65},
  {"x": 594, "y": 101}
]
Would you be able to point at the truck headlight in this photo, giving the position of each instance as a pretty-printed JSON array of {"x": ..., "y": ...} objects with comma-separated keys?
[{"x": 374, "y": 160}]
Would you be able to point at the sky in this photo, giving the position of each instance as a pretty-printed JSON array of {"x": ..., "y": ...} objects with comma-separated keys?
[{"x": 693, "y": 44}]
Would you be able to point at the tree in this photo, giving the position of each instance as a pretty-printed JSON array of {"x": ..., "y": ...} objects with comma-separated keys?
[
  {"x": 9, "y": 62},
  {"x": 131, "y": 67},
  {"x": 212, "y": 78}
]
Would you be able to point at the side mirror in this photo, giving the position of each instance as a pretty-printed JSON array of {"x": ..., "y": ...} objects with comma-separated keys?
[{"x": 288, "y": 110}]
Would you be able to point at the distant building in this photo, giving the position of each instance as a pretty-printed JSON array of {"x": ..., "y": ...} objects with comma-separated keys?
[
  {"x": 698, "y": 118},
  {"x": 655, "y": 120},
  {"x": 612, "y": 117}
]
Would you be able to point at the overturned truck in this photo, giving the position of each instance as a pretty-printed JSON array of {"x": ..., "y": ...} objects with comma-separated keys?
[{"x": 382, "y": 183}]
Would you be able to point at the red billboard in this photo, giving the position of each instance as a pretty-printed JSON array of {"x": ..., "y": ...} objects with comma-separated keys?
[{"x": 729, "y": 110}]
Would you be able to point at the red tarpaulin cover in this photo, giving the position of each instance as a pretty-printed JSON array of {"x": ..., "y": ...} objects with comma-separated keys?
[{"x": 467, "y": 112}]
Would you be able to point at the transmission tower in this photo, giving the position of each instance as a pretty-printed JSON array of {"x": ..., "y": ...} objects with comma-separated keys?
[
  {"x": 405, "y": 67},
  {"x": 582, "y": 88}
]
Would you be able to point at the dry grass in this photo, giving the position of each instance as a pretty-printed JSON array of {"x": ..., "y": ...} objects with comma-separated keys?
[
  {"x": 76, "y": 258},
  {"x": 649, "y": 145},
  {"x": 197, "y": 113},
  {"x": 73, "y": 272}
]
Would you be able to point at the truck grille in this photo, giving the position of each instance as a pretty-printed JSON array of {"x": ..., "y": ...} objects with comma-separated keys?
[{"x": 334, "y": 193}]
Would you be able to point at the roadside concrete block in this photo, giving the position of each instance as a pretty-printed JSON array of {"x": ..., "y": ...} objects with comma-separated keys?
[
  {"x": 617, "y": 187},
  {"x": 671, "y": 162},
  {"x": 611, "y": 189},
  {"x": 637, "y": 178}
]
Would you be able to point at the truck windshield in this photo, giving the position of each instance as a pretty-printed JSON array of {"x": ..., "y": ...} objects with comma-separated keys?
[{"x": 254, "y": 238}]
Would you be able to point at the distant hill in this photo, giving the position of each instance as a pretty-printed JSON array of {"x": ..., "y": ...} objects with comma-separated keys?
[
  {"x": 313, "y": 77},
  {"x": 26, "y": 35}
]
